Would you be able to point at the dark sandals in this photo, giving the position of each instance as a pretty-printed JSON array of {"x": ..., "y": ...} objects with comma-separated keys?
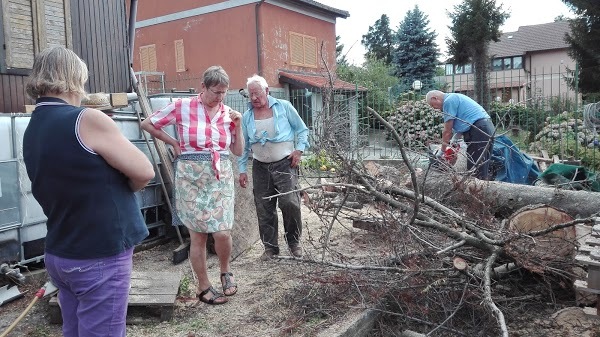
[
  {"x": 228, "y": 284},
  {"x": 215, "y": 296}
]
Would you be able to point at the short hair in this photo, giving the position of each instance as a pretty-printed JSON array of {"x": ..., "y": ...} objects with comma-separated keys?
[
  {"x": 215, "y": 75},
  {"x": 257, "y": 79},
  {"x": 433, "y": 93},
  {"x": 57, "y": 70}
]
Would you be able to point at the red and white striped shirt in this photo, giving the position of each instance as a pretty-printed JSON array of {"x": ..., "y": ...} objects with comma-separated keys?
[{"x": 196, "y": 131}]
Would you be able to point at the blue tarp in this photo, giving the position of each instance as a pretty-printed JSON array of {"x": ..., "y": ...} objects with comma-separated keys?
[{"x": 511, "y": 165}]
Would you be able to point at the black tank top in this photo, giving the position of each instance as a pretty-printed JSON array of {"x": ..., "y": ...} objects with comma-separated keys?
[{"x": 91, "y": 210}]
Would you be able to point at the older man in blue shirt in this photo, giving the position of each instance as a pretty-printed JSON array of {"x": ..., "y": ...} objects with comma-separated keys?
[
  {"x": 270, "y": 127},
  {"x": 462, "y": 115}
]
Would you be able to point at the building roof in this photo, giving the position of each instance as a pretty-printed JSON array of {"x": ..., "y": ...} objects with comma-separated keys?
[
  {"x": 314, "y": 80},
  {"x": 547, "y": 36},
  {"x": 339, "y": 13}
]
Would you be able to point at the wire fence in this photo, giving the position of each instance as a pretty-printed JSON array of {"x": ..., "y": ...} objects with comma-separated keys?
[{"x": 538, "y": 110}]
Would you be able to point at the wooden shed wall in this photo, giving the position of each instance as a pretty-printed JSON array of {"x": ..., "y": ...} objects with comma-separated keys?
[{"x": 99, "y": 34}]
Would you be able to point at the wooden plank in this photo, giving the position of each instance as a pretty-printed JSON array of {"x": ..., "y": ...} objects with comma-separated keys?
[
  {"x": 540, "y": 159},
  {"x": 154, "y": 300},
  {"x": 555, "y": 159},
  {"x": 545, "y": 154},
  {"x": 161, "y": 147}
]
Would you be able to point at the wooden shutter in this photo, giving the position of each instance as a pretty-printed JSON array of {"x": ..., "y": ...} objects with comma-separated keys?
[
  {"x": 179, "y": 56},
  {"x": 54, "y": 23},
  {"x": 310, "y": 51},
  {"x": 148, "y": 57},
  {"x": 30, "y": 26},
  {"x": 296, "y": 49},
  {"x": 18, "y": 33},
  {"x": 303, "y": 50}
]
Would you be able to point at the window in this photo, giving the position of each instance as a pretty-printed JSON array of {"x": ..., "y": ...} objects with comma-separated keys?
[
  {"x": 31, "y": 26},
  {"x": 507, "y": 63},
  {"x": 179, "y": 56},
  {"x": 496, "y": 64},
  {"x": 303, "y": 50},
  {"x": 148, "y": 58},
  {"x": 465, "y": 69},
  {"x": 449, "y": 69},
  {"x": 518, "y": 62}
]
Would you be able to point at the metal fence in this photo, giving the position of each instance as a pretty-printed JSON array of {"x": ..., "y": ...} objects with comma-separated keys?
[{"x": 538, "y": 110}]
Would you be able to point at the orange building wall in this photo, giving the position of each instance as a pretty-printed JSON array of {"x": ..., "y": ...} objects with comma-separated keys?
[
  {"x": 276, "y": 23},
  {"x": 228, "y": 38},
  {"x": 223, "y": 38}
]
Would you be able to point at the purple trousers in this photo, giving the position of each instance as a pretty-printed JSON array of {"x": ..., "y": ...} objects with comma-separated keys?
[{"x": 93, "y": 294}]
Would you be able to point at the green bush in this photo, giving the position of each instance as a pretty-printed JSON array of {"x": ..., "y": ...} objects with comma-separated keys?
[{"x": 319, "y": 161}]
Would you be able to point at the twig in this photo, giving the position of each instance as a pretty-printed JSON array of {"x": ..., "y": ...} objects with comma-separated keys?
[{"x": 487, "y": 293}]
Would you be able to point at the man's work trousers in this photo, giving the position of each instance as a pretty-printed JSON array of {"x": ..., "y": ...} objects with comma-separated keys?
[{"x": 270, "y": 179}]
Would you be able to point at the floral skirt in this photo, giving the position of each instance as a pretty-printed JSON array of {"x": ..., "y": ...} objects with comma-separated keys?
[{"x": 201, "y": 202}]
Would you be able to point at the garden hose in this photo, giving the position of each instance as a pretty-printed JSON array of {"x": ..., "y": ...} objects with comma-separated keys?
[{"x": 47, "y": 290}]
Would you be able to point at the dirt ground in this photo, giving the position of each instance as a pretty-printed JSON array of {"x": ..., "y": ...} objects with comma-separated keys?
[
  {"x": 276, "y": 298},
  {"x": 263, "y": 306}
]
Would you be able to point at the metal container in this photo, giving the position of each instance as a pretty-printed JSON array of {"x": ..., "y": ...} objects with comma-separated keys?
[{"x": 22, "y": 221}]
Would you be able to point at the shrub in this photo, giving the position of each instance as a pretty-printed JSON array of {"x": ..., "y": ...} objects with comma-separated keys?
[{"x": 417, "y": 123}]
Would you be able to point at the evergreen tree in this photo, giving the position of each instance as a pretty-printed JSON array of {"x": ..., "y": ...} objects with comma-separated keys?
[
  {"x": 585, "y": 44},
  {"x": 379, "y": 41},
  {"x": 339, "y": 56},
  {"x": 475, "y": 23},
  {"x": 416, "y": 53}
]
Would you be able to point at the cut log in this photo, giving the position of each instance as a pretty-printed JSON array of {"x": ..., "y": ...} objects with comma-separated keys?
[
  {"x": 505, "y": 198},
  {"x": 541, "y": 254},
  {"x": 460, "y": 263},
  {"x": 535, "y": 218}
]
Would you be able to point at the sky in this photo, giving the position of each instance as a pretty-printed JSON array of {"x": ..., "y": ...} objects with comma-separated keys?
[{"x": 364, "y": 13}]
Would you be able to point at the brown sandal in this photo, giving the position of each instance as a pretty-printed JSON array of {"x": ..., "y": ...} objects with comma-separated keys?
[
  {"x": 228, "y": 284},
  {"x": 215, "y": 296}
]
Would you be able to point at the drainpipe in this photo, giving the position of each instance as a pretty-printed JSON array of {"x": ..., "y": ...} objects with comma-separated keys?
[
  {"x": 259, "y": 69},
  {"x": 132, "y": 18}
]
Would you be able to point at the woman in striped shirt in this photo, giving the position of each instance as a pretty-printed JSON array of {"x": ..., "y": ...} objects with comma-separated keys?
[{"x": 204, "y": 186}]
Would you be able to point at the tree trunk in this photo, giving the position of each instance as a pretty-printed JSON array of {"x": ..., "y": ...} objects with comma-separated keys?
[{"x": 505, "y": 198}]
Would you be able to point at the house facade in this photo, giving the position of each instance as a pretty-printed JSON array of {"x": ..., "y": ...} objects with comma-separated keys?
[
  {"x": 530, "y": 63},
  {"x": 291, "y": 43},
  {"x": 267, "y": 37}
]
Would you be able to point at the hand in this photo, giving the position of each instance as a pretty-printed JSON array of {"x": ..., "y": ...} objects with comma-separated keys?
[
  {"x": 243, "y": 180},
  {"x": 236, "y": 118},
  {"x": 295, "y": 158},
  {"x": 176, "y": 152}
]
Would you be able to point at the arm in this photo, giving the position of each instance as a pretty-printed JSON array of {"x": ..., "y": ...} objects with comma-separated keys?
[
  {"x": 237, "y": 146},
  {"x": 100, "y": 133},
  {"x": 162, "y": 135},
  {"x": 243, "y": 159},
  {"x": 447, "y": 134},
  {"x": 298, "y": 126}
]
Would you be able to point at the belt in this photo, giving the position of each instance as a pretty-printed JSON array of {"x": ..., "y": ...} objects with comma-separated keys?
[{"x": 273, "y": 162}]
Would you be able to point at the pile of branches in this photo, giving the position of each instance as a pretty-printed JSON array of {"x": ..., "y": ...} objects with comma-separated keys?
[{"x": 440, "y": 267}]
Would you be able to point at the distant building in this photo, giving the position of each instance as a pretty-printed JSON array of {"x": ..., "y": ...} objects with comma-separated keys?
[
  {"x": 291, "y": 43},
  {"x": 531, "y": 62}
]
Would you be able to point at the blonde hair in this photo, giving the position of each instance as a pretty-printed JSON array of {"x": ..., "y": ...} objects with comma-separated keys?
[{"x": 57, "y": 70}]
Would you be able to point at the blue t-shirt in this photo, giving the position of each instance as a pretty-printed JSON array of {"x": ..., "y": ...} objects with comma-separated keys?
[{"x": 464, "y": 110}]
